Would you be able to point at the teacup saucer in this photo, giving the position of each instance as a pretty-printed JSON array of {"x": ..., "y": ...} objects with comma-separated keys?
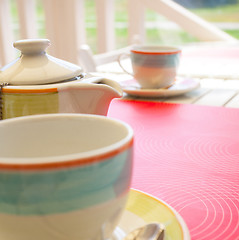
[
  {"x": 143, "y": 208},
  {"x": 181, "y": 85}
]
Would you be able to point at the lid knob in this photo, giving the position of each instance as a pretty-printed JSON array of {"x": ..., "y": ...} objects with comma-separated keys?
[{"x": 32, "y": 46}]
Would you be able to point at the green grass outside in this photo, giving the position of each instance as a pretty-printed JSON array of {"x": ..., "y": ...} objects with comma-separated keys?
[
  {"x": 234, "y": 33},
  {"x": 227, "y": 13}
]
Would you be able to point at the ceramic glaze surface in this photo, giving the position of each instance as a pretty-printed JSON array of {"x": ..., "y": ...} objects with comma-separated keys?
[
  {"x": 16, "y": 105},
  {"x": 155, "y": 60},
  {"x": 37, "y": 83},
  {"x": 71, "y": 97},
  {"x": 63, "y": 176},
  {"x": 66, "y": 189},
  {"x": 35, "y": 66},
  {"x": 180, "y": 86},
  {"x": 155, "y": 67},
  {"x": 143, "y": 209}
]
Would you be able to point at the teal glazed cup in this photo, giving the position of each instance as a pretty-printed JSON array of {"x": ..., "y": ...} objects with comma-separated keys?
[
  {"x": 154, "y": 66},
  {"x": 63, "y": 176}
]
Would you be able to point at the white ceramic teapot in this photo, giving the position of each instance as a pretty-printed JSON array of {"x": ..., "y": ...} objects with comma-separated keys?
[{"x": 37, "y": 83}]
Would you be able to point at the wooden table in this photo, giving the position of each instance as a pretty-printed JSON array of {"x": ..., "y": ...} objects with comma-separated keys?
[
  {"x": 216, "y": 66},
  {"x": 212, "y": 92}
]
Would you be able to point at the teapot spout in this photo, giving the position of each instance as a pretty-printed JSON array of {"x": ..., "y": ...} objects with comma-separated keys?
[
  {"x": 115, "y": 86},
  {"x": 90, "y": 96}
]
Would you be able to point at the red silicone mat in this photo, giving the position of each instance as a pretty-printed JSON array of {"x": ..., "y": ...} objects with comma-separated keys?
[{"x": 188, "y": 156}]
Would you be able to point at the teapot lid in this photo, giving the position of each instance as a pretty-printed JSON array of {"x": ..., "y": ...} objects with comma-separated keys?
[{"x": 35, "y": 66}]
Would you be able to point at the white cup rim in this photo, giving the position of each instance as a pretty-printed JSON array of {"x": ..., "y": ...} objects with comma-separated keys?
[
  {"x": 155, "y": 49},
  {"x": 82, "y": 158}
]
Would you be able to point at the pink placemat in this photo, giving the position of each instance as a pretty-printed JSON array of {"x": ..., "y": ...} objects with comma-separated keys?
[{"x": 188, "y": 156}]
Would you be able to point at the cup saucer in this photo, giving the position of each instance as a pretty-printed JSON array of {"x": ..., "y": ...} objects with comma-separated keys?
[
  {"x": 181, "y": 85},
  {"x": 143, "y": 208}
]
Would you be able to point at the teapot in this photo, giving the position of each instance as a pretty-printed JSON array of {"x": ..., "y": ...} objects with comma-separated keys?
[{"x": 37, "y": 83}]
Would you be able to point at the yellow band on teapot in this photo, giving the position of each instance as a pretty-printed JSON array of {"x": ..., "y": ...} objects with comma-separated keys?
[{"x": 29, "y": 103}]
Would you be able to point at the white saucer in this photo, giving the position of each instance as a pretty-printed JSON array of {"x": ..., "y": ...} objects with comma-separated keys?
[
  {"x": 143, "y": 208},
  {"x": 182, "y": 85}
]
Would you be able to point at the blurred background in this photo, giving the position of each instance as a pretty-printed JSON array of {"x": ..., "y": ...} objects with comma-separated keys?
[{"x": 222, "y": 13}]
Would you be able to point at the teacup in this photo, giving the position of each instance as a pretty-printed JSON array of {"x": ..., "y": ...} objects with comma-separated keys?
[
  {"x": 154, "y": 66},
  {"x": 63, "y": 176}
]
